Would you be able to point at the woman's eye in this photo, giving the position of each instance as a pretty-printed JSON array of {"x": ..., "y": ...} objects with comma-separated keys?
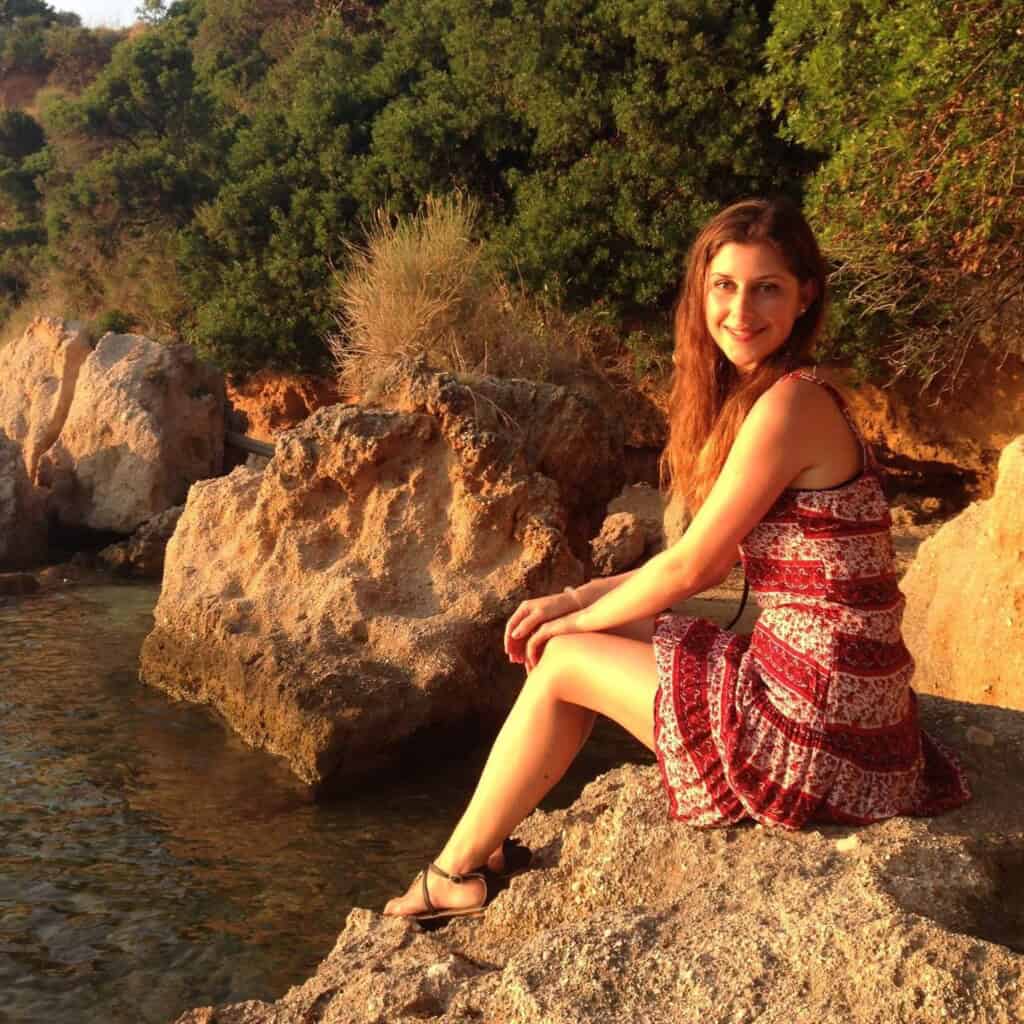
[{"x": 769, "y": 287}]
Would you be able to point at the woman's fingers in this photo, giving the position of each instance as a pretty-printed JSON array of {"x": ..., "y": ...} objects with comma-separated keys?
[
  {"x": 535, "y": 645},
  {"x": 514, "y": 620}
]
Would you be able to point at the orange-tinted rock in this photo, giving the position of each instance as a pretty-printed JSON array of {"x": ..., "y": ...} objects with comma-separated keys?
[
  {"x": 619, "y": 546},
  {"x": 355, "y": 590},
  {"x": 272, "y": 402},
  {"x": 39, "y": 371},
  {"x": 946, "y": 444},
  {"x": 628, "y": 916},
  {"x": 142, "y": 554},
  {"x": 964, "y": 621}
]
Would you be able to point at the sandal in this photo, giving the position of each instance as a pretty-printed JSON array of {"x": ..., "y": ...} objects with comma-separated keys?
[{"x": 433, "y": 913}]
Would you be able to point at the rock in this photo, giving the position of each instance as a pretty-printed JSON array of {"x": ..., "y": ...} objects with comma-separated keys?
[
  {"x": 619, "y": 546},
  {"x": 146, "y": 421},
  {"x": 980, "y": 737},
  {"x": 964, "y": 621},
  {"x": 142, "y": 555},
  {"x": 944, "y": 443},
  {"x": 271, "y": 402},
  {"x": 676, "y": 520},
  {"x": 559, "y": 432},
  {"x": 628, "y": 916},
  {"x": 648, "y": 505},
  {"x": 22, "y": 511},
  {"x": 39, "y": 371},
  {"x": 17, "y": 583},
  {"x": 355, "y": 591}
]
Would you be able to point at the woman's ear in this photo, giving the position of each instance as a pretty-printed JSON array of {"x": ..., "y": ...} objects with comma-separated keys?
[{"x": 808, "y": 292}]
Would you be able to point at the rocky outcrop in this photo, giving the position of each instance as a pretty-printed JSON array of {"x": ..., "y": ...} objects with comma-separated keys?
[
  {"x": 964, "y": 621},
  {"x": 39, "y": 371},
  {"x": 142, "y": 554},
  {"x": 146, "y": 421},
  {"x": 648, "y": 504},
  {"x": 630, "y": 917},
  {"x": 22, "y": 511},
  {"x": 270, "y": 402},
  {"x": 619, "y": 546},
  {"x": 944, "y": 443},
  {"x": 354, "y": 592}
]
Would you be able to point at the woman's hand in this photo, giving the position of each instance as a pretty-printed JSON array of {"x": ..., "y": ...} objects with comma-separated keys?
[{"x": 529, "y": 617}]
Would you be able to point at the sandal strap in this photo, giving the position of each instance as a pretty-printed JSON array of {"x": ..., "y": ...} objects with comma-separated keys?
[{"x": 456, "y": 878}]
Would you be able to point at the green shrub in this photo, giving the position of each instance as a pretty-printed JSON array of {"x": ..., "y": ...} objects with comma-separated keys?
[
  {"x": 112, "y": 320},
  {"x": 919, "y": 108}
]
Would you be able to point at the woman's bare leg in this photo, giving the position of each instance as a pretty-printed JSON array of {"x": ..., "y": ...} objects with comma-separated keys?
[
  {"x": 642, "y": 630},
  {"x": 578, "y": 675}
]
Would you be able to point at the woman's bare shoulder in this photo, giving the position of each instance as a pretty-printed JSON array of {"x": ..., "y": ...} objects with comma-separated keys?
[
  {"x": 808, "y": 416},
  {"x": 798, "y": 403}
]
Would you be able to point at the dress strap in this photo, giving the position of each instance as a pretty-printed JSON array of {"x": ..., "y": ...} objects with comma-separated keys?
[{"x": 811, "y": 374}]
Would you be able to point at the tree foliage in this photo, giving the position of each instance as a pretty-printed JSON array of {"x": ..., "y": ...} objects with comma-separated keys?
[
  {"x": 207, "y": 173},
  {"x": 920, "y": 109}
]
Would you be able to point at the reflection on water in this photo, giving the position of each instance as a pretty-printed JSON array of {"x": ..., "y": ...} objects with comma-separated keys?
[{"x": 149, "y": 862}]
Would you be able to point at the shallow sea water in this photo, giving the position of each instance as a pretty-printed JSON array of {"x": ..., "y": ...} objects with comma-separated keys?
[{"x": 151, "y": 862}]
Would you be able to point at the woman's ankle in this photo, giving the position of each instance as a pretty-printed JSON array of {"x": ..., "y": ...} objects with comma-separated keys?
[{"x": 458, "y": 861}]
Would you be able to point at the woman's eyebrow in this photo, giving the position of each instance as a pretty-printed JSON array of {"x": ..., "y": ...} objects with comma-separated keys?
[{"x": 763, "y": 277}]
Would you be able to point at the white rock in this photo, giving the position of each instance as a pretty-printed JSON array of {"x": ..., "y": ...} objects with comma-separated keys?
[
  {"x": 146, "y": 422},
  {"x": 39, "y": 371}
]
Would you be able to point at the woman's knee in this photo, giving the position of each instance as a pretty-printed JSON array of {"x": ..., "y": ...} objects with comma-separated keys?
[{"x": 556, "y": 661}]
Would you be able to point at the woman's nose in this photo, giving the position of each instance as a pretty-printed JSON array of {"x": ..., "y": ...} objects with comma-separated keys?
[{"x": 743, "y": 302}]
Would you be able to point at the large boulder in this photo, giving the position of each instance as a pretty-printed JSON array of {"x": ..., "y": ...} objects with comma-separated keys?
[
  {"x": 628, "y": 916},
  {"x": 146, "y": 422},
  {"x": 39, "y": 371},
  {"x": 22, "y": 512},
  {"x": 964, "y": 621},
  {"x": 354, "y": 592}
]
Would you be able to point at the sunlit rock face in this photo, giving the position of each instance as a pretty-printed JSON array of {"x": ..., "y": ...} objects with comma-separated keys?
[
  {"x": 354, "y": 592},
  {"x": 39, "y": 372},
  {"x": 964, "y": 621},
  {"x": 627, "y": 916},
  {"x": 145, "y": 422}
]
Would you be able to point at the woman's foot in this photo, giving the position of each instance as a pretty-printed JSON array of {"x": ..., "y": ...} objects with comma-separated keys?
[{"x": 443, "y": 893}]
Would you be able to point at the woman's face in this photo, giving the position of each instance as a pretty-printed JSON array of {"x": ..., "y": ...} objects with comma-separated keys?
[{"x": 752, "y": 302}]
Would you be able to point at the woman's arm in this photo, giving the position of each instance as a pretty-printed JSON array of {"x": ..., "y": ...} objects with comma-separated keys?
[{"x": 777, "y": 441}]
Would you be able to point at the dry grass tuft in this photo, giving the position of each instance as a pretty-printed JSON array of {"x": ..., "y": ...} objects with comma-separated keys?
[{"x": 418, "y": 291}]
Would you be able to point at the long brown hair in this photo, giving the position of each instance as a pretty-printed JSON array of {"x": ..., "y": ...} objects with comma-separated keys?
[{"x": 710, "y": 398}]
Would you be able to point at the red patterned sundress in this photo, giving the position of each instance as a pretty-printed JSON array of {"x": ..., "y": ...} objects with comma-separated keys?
[{"x": 811, "y": 717}]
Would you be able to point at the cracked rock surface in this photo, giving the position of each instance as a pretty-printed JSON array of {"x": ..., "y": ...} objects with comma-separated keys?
[
  {"x": 354, "y": 592},
  {"x": 627, "y": 916}
]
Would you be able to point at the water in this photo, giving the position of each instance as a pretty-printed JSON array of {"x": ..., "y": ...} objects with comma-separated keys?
[{"x": 149, "y": 861}]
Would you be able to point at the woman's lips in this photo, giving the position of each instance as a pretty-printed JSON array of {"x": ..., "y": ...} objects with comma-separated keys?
[{"x": 747, "y": 334}]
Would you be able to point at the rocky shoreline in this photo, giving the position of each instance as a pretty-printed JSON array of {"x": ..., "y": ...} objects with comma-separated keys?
[
  {"x": 627, "y": 916},
  {"x": 347, "y": 596}
]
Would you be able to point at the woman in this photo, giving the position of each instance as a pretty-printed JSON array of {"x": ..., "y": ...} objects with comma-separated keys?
[{"x": 811, "y": 717}]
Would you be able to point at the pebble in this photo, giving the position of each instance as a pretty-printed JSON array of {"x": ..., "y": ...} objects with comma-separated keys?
[
  {"x": 980, "y": 737},
  {"x": 847, "y": 843}
]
